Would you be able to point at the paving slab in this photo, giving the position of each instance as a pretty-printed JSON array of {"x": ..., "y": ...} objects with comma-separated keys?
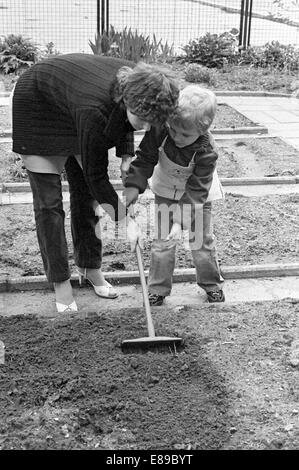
[
  {"x": 279, "y": 114},
  {"x": 185, "y": 293}
]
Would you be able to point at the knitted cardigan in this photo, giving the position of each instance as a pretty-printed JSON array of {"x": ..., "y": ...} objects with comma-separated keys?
[{"x": 63, "y": 106}]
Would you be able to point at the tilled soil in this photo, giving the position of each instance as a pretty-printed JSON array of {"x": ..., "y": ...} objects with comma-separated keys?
[
  {"x": 66, "y": 384},
  {"x": 226, "y": 116},
  {"x": 251, "y": 157},
  {"x": 11, "y": 165},
  {"x": 248, "y": 231}
]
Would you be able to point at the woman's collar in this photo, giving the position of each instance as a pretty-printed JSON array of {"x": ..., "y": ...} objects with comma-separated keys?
[{"x": 117, "y": 123}]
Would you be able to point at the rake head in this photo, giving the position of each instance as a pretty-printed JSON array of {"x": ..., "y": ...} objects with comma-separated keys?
[{"x": 151, "y": 342}]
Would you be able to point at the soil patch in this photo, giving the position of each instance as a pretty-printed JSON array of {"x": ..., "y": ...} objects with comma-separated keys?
[
  {"x": 226, "y": 116},
  {"x": 12, "y": 170},
  {"x": 248, "y": 231},
  {"x": 250, "y": 157},
  {"x": 257, "y": 157},
  {"x": 66, "y": 384}
]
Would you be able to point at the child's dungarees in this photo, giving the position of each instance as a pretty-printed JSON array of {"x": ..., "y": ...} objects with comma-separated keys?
[
  {"x": 169, "y": 179},
  {"x": 168, "y": 184}
]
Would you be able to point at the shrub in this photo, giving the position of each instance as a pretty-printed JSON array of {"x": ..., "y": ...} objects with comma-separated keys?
[
  {"x": 212, "y": 50},
  {"x": 17, "y": 53},
  {"x": 50, "y": 50},
  {"x": 252, "y": 56},
  {"x": 273, "y": 54},
  {"x": 281, "y": 56},
  {"x": 131, "y": 46},
  {"x": 196, "y": 73}
]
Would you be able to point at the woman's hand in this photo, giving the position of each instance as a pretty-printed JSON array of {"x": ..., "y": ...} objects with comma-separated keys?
[
  {"x": 175, "y": 232},
  {"x": 124, "y": 166},
  {"x": 130, "y": 195}
]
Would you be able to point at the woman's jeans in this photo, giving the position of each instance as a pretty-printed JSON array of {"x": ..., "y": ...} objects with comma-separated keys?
[
  {"x": 50, "y": 217},
  {"x": 163, "y": 251}
]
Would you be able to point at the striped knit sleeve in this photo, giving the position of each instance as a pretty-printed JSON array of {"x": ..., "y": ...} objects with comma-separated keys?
[
  {"x": 126, "y": 146},
  {"x": 94, "y": 152},
  {"x": 199, "y": 183},
  {"x": 142, "y": 167}
]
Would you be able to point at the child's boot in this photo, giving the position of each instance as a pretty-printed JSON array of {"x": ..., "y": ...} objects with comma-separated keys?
[
  {"x": 156, "y": 300},
  {"x": 216, "y": 296}
]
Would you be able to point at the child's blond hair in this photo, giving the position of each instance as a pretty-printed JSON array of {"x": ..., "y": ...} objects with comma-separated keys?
[{"x": 196, "y": 108}]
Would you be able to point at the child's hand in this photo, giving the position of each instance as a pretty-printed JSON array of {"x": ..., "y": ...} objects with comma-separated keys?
[
  {"x": 134, "y": 233},
  {"x": 175, "y": 232},
  {"x": 130, "y": 195}
]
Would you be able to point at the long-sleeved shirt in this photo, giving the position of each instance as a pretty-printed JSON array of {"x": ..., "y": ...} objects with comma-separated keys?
[{"x": 198, "y": 184}]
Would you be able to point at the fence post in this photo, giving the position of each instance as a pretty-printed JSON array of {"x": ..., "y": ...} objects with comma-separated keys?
[
  {"x": 102, "y": 16},
  {"x": 245, "y": 23}
]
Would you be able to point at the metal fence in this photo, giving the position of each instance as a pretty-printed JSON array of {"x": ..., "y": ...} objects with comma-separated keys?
[{"x": 70, "y": 24}]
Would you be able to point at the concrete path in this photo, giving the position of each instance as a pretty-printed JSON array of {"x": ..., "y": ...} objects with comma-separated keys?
[
  {"x": 258, "y": 190},
  {"x": 184, "y": 293},
  {"x": 279, "y": 114}
]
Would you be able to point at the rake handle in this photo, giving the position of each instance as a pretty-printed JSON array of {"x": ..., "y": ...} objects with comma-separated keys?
[{"x": 150, "y": 325}]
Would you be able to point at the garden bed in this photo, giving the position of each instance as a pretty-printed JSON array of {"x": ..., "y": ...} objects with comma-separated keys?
[
  {"x": 226, "y": 116},
  {"x": 269, "y": 156},
  {"x": 66, "y": 384},
  {"x": 230, "y": 77},
  {"x": 11, "y": 165},
  {"x": 246, "y": 78},
  {"x": 249, "y": 157},
  {"x": 248, "y": 230}
]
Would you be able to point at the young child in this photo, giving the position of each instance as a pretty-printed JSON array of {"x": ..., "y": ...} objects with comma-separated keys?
[{"x": 179, "y": 161}]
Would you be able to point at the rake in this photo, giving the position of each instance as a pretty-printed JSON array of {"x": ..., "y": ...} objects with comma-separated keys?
[{"x": 151, "y": 340}]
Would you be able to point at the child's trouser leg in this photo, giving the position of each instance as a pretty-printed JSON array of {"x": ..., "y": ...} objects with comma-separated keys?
[
  {"x": 86, "y": 239},
  {"x": 205, "y": 258},
  {"x": 49, "y": 219},
  {"x": 162, "y": 251},
  {"x": 161, "y": 267}
]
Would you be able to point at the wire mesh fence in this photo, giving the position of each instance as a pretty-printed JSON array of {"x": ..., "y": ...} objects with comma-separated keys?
[
  {"x": 274, "y": 20},
  {"x": 174, "y": 21},
  {"x": 70, "y": 24}
]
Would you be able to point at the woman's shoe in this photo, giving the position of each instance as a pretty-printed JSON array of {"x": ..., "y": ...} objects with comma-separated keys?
[
  {"x": 63, "y": 292},
  {"x": 107, "y": 291},
  {"x": 61, "y": 308}
]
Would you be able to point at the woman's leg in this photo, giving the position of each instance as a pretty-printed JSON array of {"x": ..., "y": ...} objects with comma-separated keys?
[
  {"x": 86, "y": 240},
  {"x": 49, "y": 218},
  {"x": 87, "y": 245}
]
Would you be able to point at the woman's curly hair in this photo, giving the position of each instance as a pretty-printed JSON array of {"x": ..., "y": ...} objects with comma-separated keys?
[{"x": 149, "y": 91}]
